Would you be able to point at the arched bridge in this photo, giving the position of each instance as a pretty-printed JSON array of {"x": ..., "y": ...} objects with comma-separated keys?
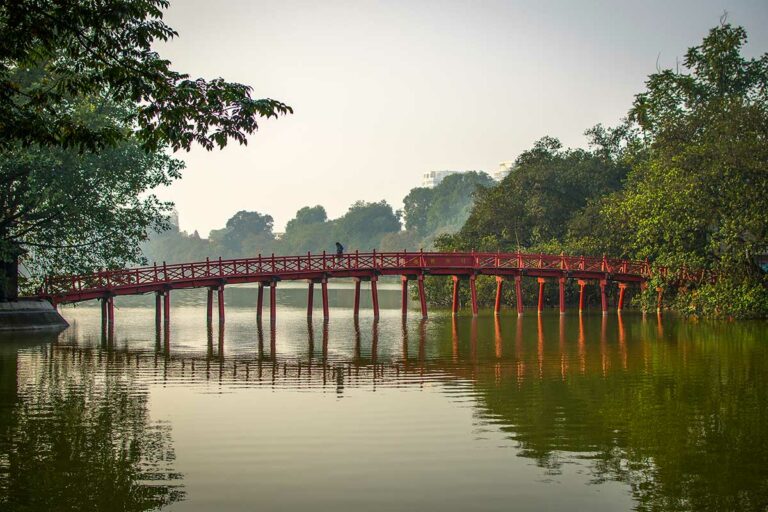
[{"x": 319, "y": 268}]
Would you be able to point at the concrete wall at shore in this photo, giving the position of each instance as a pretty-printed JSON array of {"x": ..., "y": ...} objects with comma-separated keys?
[{"x": 30, "y": 315}]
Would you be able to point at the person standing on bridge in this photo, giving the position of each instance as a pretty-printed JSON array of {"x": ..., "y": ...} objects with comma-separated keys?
[{"x": 339, "y": 252}]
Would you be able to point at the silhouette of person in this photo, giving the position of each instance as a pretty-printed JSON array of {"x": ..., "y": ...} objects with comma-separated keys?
[{"x": 339, "y": 251}]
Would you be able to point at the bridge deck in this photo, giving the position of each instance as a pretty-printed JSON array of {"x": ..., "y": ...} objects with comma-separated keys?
[{"x": 321, "y": 267}]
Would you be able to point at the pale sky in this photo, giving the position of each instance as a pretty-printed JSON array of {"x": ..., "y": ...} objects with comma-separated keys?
[{"x": 385, "y": 91}]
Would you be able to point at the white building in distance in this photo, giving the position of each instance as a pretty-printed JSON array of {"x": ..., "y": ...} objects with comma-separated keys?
[
  {"x": 432, "y": 178},
  {"x": 504, "y": 169}
]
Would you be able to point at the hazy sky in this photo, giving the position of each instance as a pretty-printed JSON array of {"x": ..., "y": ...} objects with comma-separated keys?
[{"x": 385, "y": 91}]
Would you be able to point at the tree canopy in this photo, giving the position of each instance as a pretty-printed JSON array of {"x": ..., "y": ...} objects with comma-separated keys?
[
  {"x": 683, "y": 181},
  {"x": 88, "y": 115},
  {"x": 54, "y": 52}
]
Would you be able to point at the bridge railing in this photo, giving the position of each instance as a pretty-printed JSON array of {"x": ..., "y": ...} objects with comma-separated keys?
[{"x": 313, "y": 263}]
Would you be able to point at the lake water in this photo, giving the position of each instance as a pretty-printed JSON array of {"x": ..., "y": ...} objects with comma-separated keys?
[{"x": 537, "y": 413}]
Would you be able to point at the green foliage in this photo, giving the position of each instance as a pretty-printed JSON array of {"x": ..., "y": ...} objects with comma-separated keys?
[
  {"x": 71, "y": 212},
  {"x": 536, "y": 201},
  {"x": 364, "y": 224},
  {"x": 700, "y": 193},
  {"x": 77, "y": 49},
  {"x": 683, "y": 182},
  {"x": 245, "y": 232},
  {"x": 307, "y": 216},
  {"x": 444, "y": 208},
  {"x": 725, "y": 299},
  {"x": 174, "y": 246}
]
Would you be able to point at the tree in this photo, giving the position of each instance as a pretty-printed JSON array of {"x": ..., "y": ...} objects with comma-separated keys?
[
  {"x": 416, "y": 207},
  {"x": 55, "y": 52},
  {"x": 698, "y": 190},
  {"x": 364, "y": 224},
  {"x": 83, "y": 96},
  {"x": 307, "y": 216},
  {"x": 246, "y": 233},
  {"x": 534, "y": 204},
  {"x": 71, "y": 212}
]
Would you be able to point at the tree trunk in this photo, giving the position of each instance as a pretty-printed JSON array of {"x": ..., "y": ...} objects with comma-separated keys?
[{"x": 9, "y": 279}]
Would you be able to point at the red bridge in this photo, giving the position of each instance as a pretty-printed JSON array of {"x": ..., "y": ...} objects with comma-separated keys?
[{"x": 269, "y": 271}]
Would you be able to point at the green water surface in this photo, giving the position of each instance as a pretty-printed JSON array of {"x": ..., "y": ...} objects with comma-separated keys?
[{"x": 533, "y": 413}]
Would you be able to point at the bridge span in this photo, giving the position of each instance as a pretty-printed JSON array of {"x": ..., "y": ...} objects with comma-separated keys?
[{"x": 268, "y": 271}]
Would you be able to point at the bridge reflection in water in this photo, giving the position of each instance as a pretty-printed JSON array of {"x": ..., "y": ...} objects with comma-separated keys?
[
  {"x": 268, "y": 365},
  {"x": 673, "y": 410}
]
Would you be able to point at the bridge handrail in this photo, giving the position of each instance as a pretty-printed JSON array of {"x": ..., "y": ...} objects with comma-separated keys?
[{"x": 311, "y": 263}]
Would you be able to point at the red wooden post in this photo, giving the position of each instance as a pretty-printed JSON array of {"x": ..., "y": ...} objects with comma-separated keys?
[
  {"x": 497, "y": 304},
  {"x": 357, "y": 297},
  {"x": 209, "y": 307},
  {"x": 324, "y": 289},
  {"x": 111, "y": 317},
  {"x": 603, "y": 297},
  {"x": 167, "y": 312},
  {"x": 220, "y": 303},
  {"x": 375, "y": 297},
  {"x": 541, "y": 281},
  {"x": 404, "y": 294},
  {"x": 158, "y": 311},
  {"x": 104, "y": 319},
  {"x": 272, "y": 302},
  {"x": 455, "y": 304},
  {"x": 519, "y": 294},
  {"x": 260, "y": 300},
  {"x": 473, "y": 294},
  {"x": 422, "y": 297},
  {"x": 582, "y": 284},
  {"x": 622, "y": 289},
  {"x": 561, "y": 282},
  {"x": 310, "y": 298},
  {"x": 660, "y": 292}
]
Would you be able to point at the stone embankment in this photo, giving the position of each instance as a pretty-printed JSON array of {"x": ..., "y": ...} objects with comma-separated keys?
[{"x": 30, "y": 315}]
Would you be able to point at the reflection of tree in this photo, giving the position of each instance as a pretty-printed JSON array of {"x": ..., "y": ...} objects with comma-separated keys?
[
  {"x": 80, "y": 438},
  {"x": 682, "y": 420}
]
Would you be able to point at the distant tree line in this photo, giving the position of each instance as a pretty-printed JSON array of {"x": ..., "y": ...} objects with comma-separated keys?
[{"x": 427, "y": 213}]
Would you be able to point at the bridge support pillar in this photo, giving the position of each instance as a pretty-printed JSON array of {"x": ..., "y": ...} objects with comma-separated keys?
[
  {"x": 422, "y": 296},
  {"x": 272, "y": 302},
  {"x": 220, "y": 303},
  {"x": 582, "y": 284},
  {"x": 260, "y": 301},
  {"x": 660, "y": 296},
  {"x": 455, "y": 303},
  {"x": 110, "y": 318},
  {"x": 104, "y": 321},
  {"x": 519, "y": 294},
  {"x": 375, "y": 297},
  {"x": 622, "y": 289},
  {"x": 499, "y": 289},
  {"x": 310, "y": 298},
  {"x": 540, "y": 307},
  {"x": 209, "y": 307},
  {"x": 603, "y": 297},
  {"x": 404, "y": 294},
  {"x": 356, "y": 310},
  {"x": 473, "y": 294},
  {"x": 167, "y": 314},
  {"x": 324, "y": 286},
  {"x": 561, "y": 283}
]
